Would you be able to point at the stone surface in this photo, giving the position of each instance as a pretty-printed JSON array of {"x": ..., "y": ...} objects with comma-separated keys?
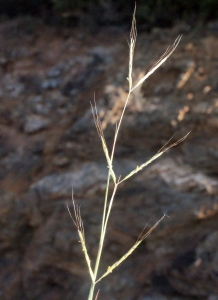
[
  {"x": 35, "y": 123},
  {"x": 49, "y": 145}
]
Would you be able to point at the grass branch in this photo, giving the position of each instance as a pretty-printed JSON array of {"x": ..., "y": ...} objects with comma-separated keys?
[{"x": 112, "y": 178}]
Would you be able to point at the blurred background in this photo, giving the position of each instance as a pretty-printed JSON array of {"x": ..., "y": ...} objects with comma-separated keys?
[
  {"x": 55, "y": 57},
  {"x": 162, "y": 13}
]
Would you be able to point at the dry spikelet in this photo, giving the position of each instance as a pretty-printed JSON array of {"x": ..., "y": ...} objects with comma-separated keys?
[{"x": 80, "y": 228}]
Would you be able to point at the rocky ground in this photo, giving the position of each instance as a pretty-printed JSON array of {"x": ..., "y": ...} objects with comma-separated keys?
[{"x": 48, "y": 143}]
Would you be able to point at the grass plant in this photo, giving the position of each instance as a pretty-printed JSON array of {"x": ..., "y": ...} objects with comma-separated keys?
[{"x": 109, "y": 155}]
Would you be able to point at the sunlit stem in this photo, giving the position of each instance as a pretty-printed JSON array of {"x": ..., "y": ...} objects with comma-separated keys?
[
  {"x": 119, "y": 124},
  {"x": 101, "y": 241}
]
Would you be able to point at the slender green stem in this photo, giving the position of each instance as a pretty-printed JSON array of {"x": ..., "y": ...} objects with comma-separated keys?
[
  {"x": 105, "y": 205},
  {"x": 106, "y": 213},
  {"x": 101, "y": 241},
  {"x": 118, "y": 127},
  {"x": 102, "y": 236},
  {"x": 109, "y": 208},
  {"x": 105, "y": 218},
  {"x": 109, "y": 158},
  {"x": 91, "y": 292}
]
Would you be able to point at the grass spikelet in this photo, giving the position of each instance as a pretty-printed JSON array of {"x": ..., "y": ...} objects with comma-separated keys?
[
  {"x": 101, "y": 135},
  {"x": 79, "y": 225},
  {"x": 133, "y": 36},
  {"x": 160, "y": 61}
]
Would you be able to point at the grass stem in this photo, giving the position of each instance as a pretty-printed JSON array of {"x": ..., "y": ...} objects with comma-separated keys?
[{"x": 111, "y": 174}]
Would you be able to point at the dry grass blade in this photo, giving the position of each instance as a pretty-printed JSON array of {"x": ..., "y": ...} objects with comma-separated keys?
[
  {"x": 96, "y": 297},
  {"x": 160, "y": 61},
  {"x": 79, "y": 225},
  {"x": 174, "y": 144},
  {"x": 145, "y": 235},
  {"x": 133, "y": 35},
  {"x": 158, "y": 154},
  {"x": 97, "y": 119},
  {"x": 104, "y": 145},
  {"x": 128, "y": 253}
]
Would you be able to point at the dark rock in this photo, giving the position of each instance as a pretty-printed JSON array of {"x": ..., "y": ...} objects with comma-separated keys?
[
  {"x": 32, "y": 84},
  {"x": 62, "y": 184},
  {"x": 55, "y": 71},
  {"x": 91, "y": 74},
  {"x": 35, "y": 123},
  {"x": 49, "y": 146},
  {"x": 52, "y": 83}
]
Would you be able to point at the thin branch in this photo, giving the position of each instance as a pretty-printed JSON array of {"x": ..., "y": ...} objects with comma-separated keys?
[
  {"x": 176, "y": 143},
  {"x": 160, "y": 61},
  {"x": 142, "y": 232},
  {"x": 166, "y": 143},
  {"x": 152, "y": 228},
  {"x": 128, "y": 253},
  {"x": 96, "y": 297},
  {"x": 133, "y": 36},
  {"x": 158, "y": 154}
]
